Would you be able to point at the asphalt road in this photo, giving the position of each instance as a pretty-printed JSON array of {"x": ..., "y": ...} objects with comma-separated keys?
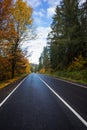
[{"x": 45, "y": 103}]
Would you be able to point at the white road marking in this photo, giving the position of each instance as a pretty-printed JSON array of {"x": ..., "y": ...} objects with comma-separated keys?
[
  {"x": 11, "y": 92},
  {"x": 66, "y": 104},
  {"x": 77, "y": 84},
  {"x": 82, "y": 86}
]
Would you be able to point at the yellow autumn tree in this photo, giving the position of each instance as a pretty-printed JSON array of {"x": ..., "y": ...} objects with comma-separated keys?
[
  {"x": 5, "y": 17},
  {"x": 22, "y": 64},
  {"x": 28, "y": 67},
  {"x": 42, "y": 71},
  {"x": 5, "y": 20},
  {"x": 15, "y": 20},
  {"x": 22, "y": 16},
  {"x": 78, "y": 63},
  {"x": 22, "y": 19}
]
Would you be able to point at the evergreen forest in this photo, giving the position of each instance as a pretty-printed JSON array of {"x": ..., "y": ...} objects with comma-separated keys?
[{"x": 66, "y": 50}]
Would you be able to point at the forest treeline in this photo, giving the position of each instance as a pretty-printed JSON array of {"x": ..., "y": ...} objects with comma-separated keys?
[
  {"x": 15, "y": 19},
  {"x": 67, "y": 42}
]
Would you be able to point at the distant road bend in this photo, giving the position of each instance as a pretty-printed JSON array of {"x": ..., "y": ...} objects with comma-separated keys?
[{"x": 42, "y": 102}]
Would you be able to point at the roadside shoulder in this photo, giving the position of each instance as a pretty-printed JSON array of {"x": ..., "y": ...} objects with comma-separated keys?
[
  {"x": 4, "y": 92},
  {"x": 83, "y": 85}
]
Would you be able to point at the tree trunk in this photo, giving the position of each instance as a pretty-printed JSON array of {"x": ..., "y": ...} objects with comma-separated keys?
[{"x": 13, "y": 69}]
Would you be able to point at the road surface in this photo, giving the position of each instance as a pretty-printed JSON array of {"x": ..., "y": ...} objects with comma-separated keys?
[{"x": 44, "y": 103}]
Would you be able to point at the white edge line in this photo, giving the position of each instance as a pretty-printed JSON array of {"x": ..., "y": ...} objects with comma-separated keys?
[
  {"x": 82, "y": 86},
  {"x": 66, "y": 104},
  {"x": 11, "y": 92}
]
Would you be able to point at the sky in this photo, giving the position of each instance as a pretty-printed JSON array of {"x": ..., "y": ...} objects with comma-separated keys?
[{"x": 43, "y": 11}]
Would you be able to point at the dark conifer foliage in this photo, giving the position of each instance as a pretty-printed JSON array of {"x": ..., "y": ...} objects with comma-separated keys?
[{"x": 68, "y": 38}]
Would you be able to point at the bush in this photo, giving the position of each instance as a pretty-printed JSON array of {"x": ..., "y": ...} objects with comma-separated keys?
[
  {"x": 42, "y": 71},
  {"x": 78, "y": 63}
]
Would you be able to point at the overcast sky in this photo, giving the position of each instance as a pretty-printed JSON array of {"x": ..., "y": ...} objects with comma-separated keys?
[{"x": 43, "y": 10}]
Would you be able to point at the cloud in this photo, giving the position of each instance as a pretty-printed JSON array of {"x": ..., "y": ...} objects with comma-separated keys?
[
  {"x": 34, "y": 3},
  {"x": 44, "y": 0},
  {"x": 51, "y": 9},
  {"x": 40, "y": 13},
  {"x": 40, "y": 19},
  {"x": 42, "y": 32},
  {"x": 50, "y": 12},
  {"x": 82, "y": 1},
  {"x": 52, "y": 2},
  {"x": 36, "y": 46}
]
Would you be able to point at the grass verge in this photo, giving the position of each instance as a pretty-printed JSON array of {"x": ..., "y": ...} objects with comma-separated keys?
[
  {"x": 74, "y": 76},
  {"x": 7, "y": 82}
]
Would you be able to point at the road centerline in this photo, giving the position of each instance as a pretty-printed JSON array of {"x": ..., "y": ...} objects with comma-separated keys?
[{"x": 66, "y": 104}]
